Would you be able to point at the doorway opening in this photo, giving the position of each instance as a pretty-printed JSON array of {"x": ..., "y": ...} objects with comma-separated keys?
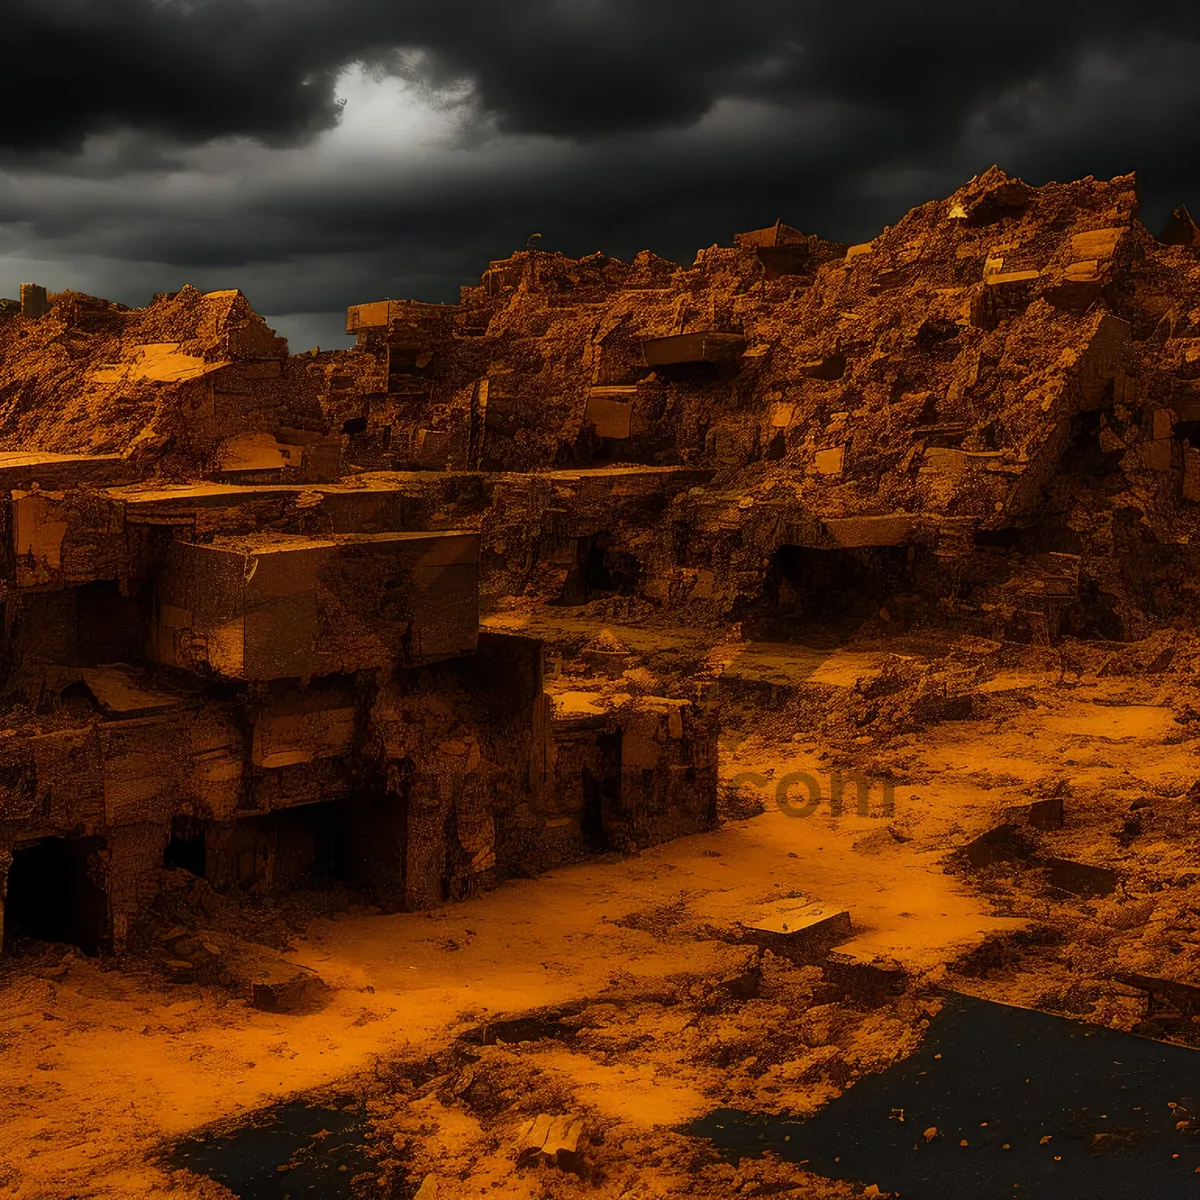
[
  {"x": 601, "y": 784},
  {"x": 811, "y": 592},
  {"x": 188, "y": 846},
  {"x": 599, "y": 570},
  {"x": 53, "y": 895}
]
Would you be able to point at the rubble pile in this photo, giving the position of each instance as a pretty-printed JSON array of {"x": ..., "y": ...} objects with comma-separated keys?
[
  {"x": 233, "y": 656},
  {"x": 506, "y": 1112},
  {"x": 491, "y": 591},
  {"x": 981, "y": 417}
]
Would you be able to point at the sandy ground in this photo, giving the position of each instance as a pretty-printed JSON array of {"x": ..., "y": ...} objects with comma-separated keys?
[
  {"x": 101, "y": 1067},
  {"x": 96, "y": 1069}
]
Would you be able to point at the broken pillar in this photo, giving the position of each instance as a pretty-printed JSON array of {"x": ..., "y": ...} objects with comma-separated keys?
[
  {"x": 34, "y": 301},
  {"x": 582, "y": 807},
  {"x": 133, "y": 859},
  {"x": 668, "y": 773}
]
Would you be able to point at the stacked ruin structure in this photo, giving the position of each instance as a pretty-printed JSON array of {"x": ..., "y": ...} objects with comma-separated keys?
[
  {"x": 983, "y": 417},
  {"x": 243, "y": 588},
  {"x": 224, "y": 654}
]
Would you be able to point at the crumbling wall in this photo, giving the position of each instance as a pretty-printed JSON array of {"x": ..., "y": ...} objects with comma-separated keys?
[{"x": 193, "y": 384}]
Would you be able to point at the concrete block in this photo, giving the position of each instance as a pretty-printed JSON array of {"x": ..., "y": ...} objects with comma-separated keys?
[
  {"x": 829, "y": 462},
  {"x": 1097, "y": 243},
  {"x": 553, "y": 1140},
  {"x": 1080, "y": 879},
  {"x": 799, "y": 925},
  {"x": 1005, "y": 843},
  {"x": 610, "y": 411},
  {"x": 276, "y": 606},
  {"x": 692, "y": 348},
  {"x": 1040, "y": 814}
]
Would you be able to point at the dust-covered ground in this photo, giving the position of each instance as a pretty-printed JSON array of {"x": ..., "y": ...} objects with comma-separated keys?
[{"x": 648, "y": 1002}]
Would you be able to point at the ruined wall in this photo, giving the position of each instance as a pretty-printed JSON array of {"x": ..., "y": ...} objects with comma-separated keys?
[{"x": 194, "y": 384}]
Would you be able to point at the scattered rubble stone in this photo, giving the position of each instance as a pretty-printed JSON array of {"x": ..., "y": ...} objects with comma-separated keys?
[{"x": 554, "y": 1140}]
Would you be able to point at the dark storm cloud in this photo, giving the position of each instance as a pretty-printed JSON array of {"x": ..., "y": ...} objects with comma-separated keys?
[
  {"x": 69, "y": 68},
  {"x": 445, "y": 216},
  {"x": 604, "y": 124},
  {"x": 199, "y": 69}
]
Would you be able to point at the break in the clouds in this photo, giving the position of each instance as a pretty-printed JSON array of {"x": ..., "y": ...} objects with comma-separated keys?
[{"x": 321, "y": 152}]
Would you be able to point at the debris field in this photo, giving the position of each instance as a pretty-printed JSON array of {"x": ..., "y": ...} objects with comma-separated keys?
[{"x": 688, "y": 669}]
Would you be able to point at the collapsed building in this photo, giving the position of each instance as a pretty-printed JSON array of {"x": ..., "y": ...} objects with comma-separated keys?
[
  {"x": 984, "y": 417},
  {"x": 377, "y": 611},
  {"x": 225, "y": 654}
]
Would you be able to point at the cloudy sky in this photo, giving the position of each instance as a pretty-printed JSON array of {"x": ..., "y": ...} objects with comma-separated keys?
[{"x": 319, "y": 153}]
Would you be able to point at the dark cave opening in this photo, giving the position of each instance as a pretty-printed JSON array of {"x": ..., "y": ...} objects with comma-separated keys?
[
  {"x": 1085, "y": 454},
  {"x": 601, "y": 792},
  {"x": 1095, "y": 615},
  {"x": 315, "y": 845},
  {"x": 1187, "y": 431},
  {"x": 817, "y": 592},
  {"x": 53, "y": 895},
  {"x": 187, "y": 847},
  {"x": 1003, "y": 539},
  {"x": 599, "y": 570}
]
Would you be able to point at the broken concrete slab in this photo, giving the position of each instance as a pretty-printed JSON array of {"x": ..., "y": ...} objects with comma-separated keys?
[
  {"x": 553, "y": 1139},
  {"x": 288, "y": 990},
  {"x": 798, "y": 927},
  {"x": 261, "y": 976},
  {"x": 179, "y": 970},
  {"x": 692, "y": 348},
  {"x": 122, "y": 694},
  {"x": 1079, "y": 879},
  {"x": 1004, "y": 843},
  {"x": 893, "y": 529}
]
